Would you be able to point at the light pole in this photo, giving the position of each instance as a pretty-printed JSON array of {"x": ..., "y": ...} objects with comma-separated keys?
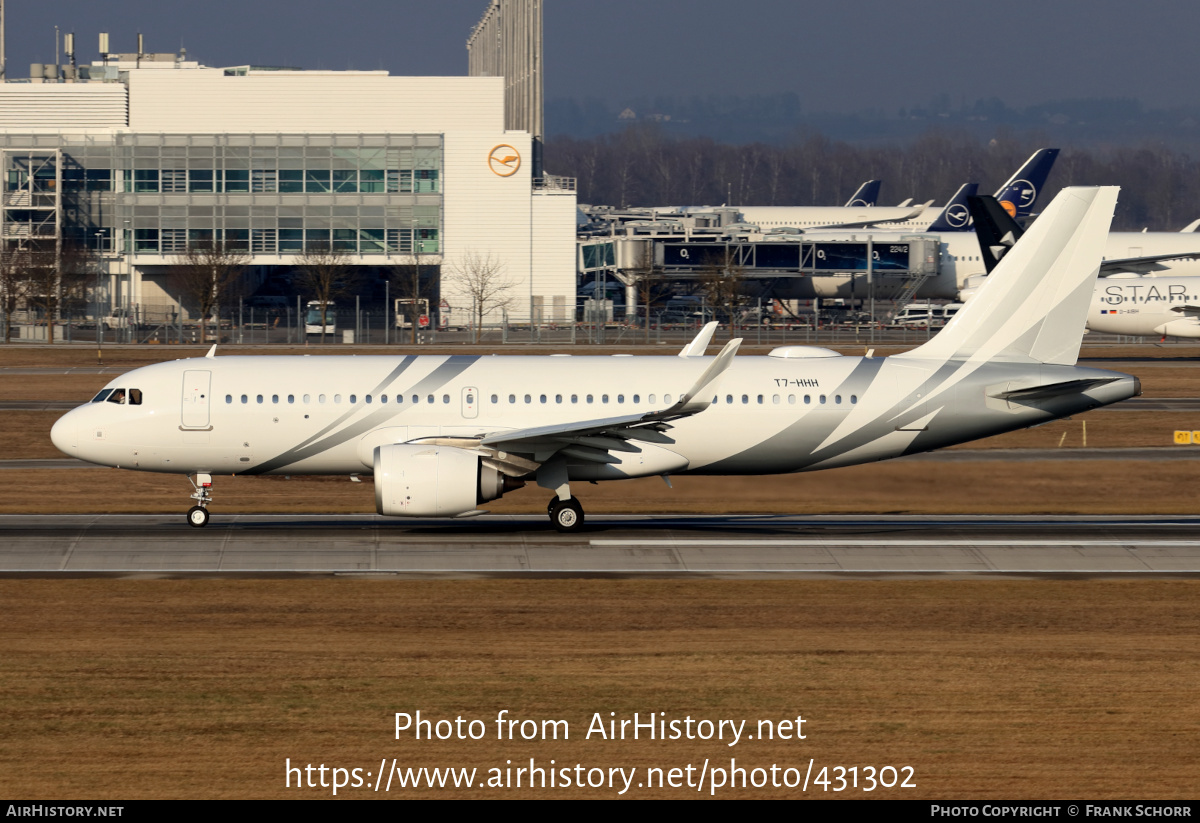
[
  {"x": 99, "y": 322},
  {"x": 128, "y": 283}
]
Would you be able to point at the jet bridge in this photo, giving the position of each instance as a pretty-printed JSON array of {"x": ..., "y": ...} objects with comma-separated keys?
[{"x": 903, "y": 258}]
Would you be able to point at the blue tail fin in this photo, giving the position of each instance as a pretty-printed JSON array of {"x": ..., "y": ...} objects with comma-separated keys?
[
  {"x": 956, "y": 216},
  {"x": 1018, "y": 195},
  {"x": 867, "y": 195},
  {"x": 997, "y": 230}
]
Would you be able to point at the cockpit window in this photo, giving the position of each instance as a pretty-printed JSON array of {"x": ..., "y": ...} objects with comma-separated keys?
[
  {"x": 132, "y": 397},
  {"x": 102, "y": 395}
]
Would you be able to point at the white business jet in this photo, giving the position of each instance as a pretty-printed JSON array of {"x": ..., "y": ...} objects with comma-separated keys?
[{"x": 445, "y": 434}]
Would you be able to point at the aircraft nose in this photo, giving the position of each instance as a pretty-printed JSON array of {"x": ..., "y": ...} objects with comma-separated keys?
[{"x": 65, "y": 435}]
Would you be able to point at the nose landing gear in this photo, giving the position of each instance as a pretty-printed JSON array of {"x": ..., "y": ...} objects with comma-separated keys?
[{"x": 197, "y": 515}]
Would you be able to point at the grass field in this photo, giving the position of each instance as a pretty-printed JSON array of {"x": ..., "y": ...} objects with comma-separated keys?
[{"x": 988, "y": 690}]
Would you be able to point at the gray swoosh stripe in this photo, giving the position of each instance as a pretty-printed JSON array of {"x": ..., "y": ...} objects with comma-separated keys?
[
  {"x": 396, "y": 372},
  {"x": 811, "y": 429},
  {"x": 447, "y": 371}
]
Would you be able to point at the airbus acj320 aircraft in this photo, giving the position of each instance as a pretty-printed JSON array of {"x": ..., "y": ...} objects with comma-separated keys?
[{"x": 444, "y": 435}]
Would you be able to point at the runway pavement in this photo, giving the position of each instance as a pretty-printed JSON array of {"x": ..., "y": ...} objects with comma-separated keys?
[{"x": 683, "y": 545}]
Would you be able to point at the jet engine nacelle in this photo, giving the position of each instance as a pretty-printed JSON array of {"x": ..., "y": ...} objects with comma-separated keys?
[{"x": 433, "y": 481}]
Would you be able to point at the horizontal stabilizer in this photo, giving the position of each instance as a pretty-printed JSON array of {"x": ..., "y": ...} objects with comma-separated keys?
[{"x": 1051, "y": 390}]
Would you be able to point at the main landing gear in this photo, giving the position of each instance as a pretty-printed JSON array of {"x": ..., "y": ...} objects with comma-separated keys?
[
  {"x": 565, "y": 511},
  {"x": 197, "y": 515},
  {"x": 566, "y": 515}
]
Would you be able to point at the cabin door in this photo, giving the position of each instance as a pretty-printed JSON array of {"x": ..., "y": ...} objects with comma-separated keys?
[{"x": 195, "y": 405}]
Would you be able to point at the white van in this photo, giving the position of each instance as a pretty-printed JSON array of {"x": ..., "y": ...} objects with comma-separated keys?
[{"x": 922, "y": 315}]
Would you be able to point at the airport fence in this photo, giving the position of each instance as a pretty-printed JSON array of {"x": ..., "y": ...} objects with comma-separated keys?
[{"x": 256, "y": 325}]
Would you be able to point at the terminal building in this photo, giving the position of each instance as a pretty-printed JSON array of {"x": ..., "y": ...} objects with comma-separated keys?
[{"x": 139, "y": 156}]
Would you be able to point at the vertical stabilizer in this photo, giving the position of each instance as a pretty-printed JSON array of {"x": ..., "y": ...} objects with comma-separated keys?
[
  {"x": 867, "y": 195},
  {"x": 1033, "y": 306},
  {"x": 956, "y": 216},
  {"x": 1020, "y": 192}
]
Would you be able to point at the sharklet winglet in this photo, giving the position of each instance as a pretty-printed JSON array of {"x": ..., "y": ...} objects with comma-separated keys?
[{"x": 700, "y": 342}]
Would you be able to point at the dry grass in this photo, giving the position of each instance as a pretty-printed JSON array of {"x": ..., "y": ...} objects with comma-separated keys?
[{"x": 131, "y": 689}]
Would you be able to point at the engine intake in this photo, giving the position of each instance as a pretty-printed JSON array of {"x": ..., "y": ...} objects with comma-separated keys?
[{"x": 434, "y": 481}]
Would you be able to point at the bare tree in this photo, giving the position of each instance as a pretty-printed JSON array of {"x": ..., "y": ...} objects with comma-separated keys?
[
  {"x": 722, "y": 282},
  {"x": 77, "y": 272},
  {"x": 207, "y": 276},
  {"x": 412, "y": 287},
  {"x": 648, "y": 282},
  {"x": 483, "y": 281},
  {"x": 325, "y": 273},
  {"x": 54, "y": 277},
  {"x": 14, "y": 285}
]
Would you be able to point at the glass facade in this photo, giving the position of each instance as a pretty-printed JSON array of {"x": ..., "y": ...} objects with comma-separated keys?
[{"x": 272, "y": 194}]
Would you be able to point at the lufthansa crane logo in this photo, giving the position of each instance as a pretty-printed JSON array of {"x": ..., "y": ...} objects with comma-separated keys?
[
  {"x": 504, "y": 160},
  {"x": 1022, "y": 197},
  {"x": 957, "y": 215}
]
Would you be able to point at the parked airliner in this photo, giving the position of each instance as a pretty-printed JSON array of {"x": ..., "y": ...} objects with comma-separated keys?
[
  {"x": 1020, "y": 191},
  {"x": 1151, "y": 305},
  {"x": 445, "y": 434},
  {"x": 1146, "y": 306}
]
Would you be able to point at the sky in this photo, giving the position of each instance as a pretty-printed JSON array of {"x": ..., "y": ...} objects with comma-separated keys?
[{"x": 838, "y": 57}]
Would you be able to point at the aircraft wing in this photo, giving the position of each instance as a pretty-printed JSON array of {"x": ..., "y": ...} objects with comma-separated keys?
[
  {"x": 912, "y": 213},
  {"x": 1142, "y": 265},
  {"x": 1187, "y": 311},
  {"x": 592, "y": 440}
]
